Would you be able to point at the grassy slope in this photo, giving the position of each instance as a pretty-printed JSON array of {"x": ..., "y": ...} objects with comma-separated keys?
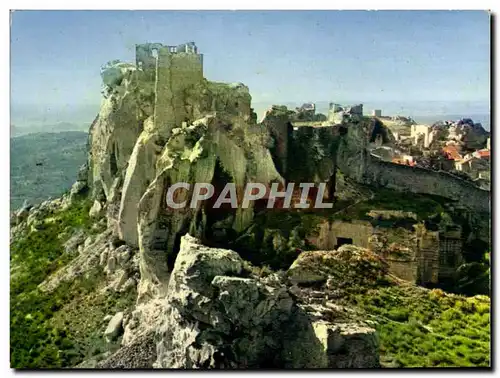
[
  {"x": 61, "y": 155},
  {"x": 419, "y": 327},
  {"x": 426, "y": 328},
  {"x": 48, "y": 330}
]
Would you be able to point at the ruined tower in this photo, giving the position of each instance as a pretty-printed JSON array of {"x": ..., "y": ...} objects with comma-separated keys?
[{"x": 174, "y": 69}]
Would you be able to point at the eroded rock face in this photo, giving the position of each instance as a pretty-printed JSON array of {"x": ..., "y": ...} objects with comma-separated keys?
[
  {"x": 316, "y": 343},
  {"x": 134, "y": 159},
  {"x": 139, "y": 174},
  {"x": 96, "y": 210},
  {"x": 139, "y": 355},
  {"x": 470, "y": 135},
  {"x": 113, "y": 134},
  {"x": 23, "y": 212},
  {"x": 215, "y": 149},
  {"x": 120, "y": 263},
  {"x": 217, "y": 315},
  {"x": 277, "y": 122}
]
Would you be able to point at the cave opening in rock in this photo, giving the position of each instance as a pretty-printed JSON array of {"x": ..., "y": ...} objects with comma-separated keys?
[
  {"x": 176, "y": 247},
  {"x": 113, "y": 165},
  {"x": 219, "y": 221},
  {"x": 342, "y": 241}
]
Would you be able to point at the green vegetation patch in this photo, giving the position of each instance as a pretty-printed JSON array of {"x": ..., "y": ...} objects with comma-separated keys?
[
  {"x": 64, "y": 327},
  {"x": 424, "y": 206},
  {"x": 428, "y": 328},
  {"x": 40, "y": 252}
]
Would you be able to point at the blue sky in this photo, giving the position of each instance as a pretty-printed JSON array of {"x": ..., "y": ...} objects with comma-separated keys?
[{"x": 283, "y": 56}]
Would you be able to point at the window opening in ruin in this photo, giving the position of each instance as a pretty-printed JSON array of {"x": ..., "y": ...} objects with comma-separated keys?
[
  {"x": 449, "y": 250},
  {"x": 447, "y": 258},
  {"x": 342, "y": 130},
  {"x": 342, "y": 241}
]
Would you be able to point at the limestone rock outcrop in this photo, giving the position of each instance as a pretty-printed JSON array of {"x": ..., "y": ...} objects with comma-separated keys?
[
  {"x": 471, "y": 135},
  {"x": 212, "y": 150},
  {"x": 199, "y": 303},
  {"x": 218, "y": 315},
  {"x": 22, "y": 213},
  {"x": 115, "y": 326},
  {"x": 138, "y": 149},
  {"x": 114, "y": 132},
  {"x": 119, "y": 262}
]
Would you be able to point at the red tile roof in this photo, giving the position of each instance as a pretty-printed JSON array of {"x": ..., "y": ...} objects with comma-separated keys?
[
  {"x": 452, "y": 152},
  {"x": 482, "y": 153}
]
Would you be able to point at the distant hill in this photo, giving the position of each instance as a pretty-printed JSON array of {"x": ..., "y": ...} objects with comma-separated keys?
[
  {"x": 48, "y": 128},
  {"x": 58, "y": 155}
]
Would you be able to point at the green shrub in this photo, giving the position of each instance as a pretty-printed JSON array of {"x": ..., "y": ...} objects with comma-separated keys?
[
  {"x": 428, "y": 328},
  {"x": 45, "y": 329}
]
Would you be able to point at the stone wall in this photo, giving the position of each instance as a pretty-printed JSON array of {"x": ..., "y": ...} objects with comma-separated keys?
[
  {"x": 328, "y": 234},
  {"x": 356, "y": 163},
  {"x": 425, "y": 130},
  {"x": 416, "y": 256},
  {"x": 175, "y": 74},
  {"x": 420, "y": 180},
  {"x": 145, "y": 57},
  {"x": 428, "y": 255}
]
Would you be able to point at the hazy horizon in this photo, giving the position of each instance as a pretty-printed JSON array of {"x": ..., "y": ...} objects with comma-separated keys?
[{"x": 36, "y": 116}]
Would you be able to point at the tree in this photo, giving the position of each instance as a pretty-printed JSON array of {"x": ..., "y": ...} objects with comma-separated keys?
[{"x": 474, "y": 278}]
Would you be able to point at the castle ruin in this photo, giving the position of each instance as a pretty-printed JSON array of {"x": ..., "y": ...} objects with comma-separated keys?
[
  {"x": 339, "y": 113},
  {"x": 175, "y": 69}
]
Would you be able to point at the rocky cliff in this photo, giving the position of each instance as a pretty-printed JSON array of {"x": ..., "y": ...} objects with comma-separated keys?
[{"x": 134, "y": 159}]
